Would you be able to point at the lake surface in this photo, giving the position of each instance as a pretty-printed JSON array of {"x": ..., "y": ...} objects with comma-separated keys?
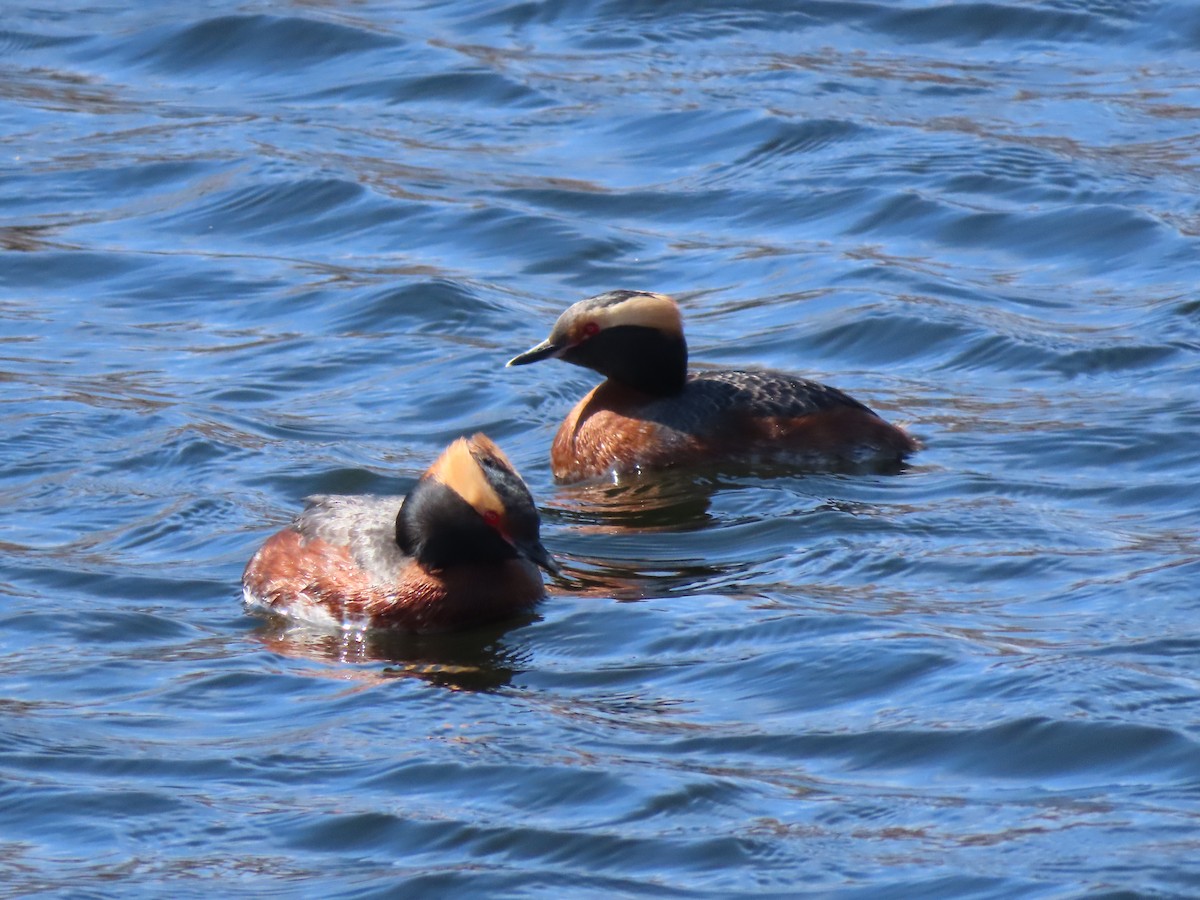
[{"x": 254, "y": 251}]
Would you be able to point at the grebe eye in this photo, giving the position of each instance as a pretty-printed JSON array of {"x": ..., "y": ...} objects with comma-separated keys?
[
  {"x": 491, "y": 517},
  {"x": 590, "y": 329}
]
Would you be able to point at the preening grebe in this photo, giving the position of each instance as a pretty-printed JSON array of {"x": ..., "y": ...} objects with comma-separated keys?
[{"x": 463, "y": 548}]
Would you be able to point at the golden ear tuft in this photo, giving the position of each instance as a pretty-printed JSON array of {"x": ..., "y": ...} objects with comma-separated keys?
[
  {"x": 485, "y": 446},
  {"x": 458, "y": 470},
  {"x": 657, "y": 311}
]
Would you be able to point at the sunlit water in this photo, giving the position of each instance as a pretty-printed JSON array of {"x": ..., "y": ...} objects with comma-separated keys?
[{"x": 256, "y": 251}]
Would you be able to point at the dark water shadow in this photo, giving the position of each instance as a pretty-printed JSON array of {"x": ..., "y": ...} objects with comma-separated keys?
[
  {"x": 475, "y": 660},
  {"x": 666, "y": 501},
  {"x": 630, "y": 541}
]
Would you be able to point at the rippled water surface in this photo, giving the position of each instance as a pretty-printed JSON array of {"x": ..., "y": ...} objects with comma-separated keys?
[{"x": 254, "y": 251}]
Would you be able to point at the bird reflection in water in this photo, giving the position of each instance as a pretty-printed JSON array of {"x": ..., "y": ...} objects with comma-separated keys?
[
  {"x": 476, "y": 660},
  {"x": 614, "y": 560}
]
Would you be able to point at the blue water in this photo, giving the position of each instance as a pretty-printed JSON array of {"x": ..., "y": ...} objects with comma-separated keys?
[{"x": 254, "y": 251}]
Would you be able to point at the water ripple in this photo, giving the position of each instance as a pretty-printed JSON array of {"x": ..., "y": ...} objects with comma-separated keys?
[
  {"x": 255, "y": 45},
  {"x": 255, "y": 253}
]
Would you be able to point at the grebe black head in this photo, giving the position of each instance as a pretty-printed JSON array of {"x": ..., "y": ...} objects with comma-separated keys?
[
  {"x": 471, "y": 506},
  {"x": 633, "y": 337}
]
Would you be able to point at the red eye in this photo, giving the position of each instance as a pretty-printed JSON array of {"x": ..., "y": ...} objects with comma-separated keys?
[
  {"x": 590, "y": 329},
  {"x": 492, "y": 517}
]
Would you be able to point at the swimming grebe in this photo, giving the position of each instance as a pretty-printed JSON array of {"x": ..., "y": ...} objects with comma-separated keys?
[
  {"x": 460, "y": 550},
  {"x": 651, "y": 413}
]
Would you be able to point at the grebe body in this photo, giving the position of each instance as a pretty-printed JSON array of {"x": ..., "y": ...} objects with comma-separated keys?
[
  {"x": 651, "y": 413},
  {"x": 462, "y": 549}
]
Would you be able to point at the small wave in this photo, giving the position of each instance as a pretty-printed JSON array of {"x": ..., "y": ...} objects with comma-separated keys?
[
  {"x": 259, "y": 45},
  {"x": 18, "y": 41}
]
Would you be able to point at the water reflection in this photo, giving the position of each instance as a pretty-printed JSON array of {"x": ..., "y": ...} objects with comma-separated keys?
[
  {"x": 476, "y": 660},
  {"x": 607, "y": 530},
  {"x": 632, "y": 579},
  {"x": 671, "y": 501}
]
